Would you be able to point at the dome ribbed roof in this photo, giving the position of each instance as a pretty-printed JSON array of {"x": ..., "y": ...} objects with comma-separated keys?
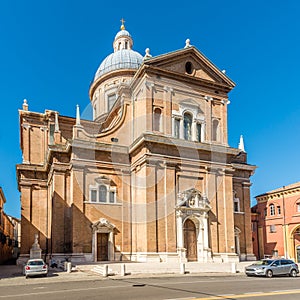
[
  {"x": 122, "y": 33},
  {"x": 121, "y": 59}
]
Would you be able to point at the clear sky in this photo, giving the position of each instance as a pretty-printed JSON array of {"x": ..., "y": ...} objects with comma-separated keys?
[{"x": 50, "y": 50}]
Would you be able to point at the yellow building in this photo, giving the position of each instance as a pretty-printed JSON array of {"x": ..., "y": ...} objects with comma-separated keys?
[{"x": 150, "y": 178}]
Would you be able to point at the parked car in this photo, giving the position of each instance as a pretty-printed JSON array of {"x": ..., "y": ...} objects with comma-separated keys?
[
  {"x": 270, "y": 267},
  {"x": 35, "y": 267}
]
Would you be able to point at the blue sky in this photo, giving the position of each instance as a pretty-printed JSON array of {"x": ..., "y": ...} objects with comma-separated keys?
[{"x": 50, "y": 50}]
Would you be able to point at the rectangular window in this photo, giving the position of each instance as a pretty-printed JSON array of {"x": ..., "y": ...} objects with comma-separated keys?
[
  {"x": 272, "y": 228},
  {"x": 111, "y": 101},
  {"x": 176, "y": 128},
  {"x": 93, "y": 195},
  {"x": 199, "y": 132},
  {"x": 236, "y": 204},
  {"x": 112, "y": 195},
  {"x": 51, "y": 134},
  {"x": 278, "y": 210}
]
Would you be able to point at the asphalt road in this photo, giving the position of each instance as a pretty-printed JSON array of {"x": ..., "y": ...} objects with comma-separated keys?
[{"x": 171, "y": 287}]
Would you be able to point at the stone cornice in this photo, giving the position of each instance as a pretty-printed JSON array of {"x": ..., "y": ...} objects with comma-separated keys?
[
  {"x": 98, "y": 146},
  {"x": 180, "y": 143},
  {"x": 155, "y": 65},
  {"x": 107, "y": 76},
  {"x": 278, "y": 194}
]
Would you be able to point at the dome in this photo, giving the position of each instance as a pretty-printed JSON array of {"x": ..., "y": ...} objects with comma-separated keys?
[
  {"x": 123, "y": 56},
  {"x": 122, "y": 33},
  {"x": 121, "y": 59}
]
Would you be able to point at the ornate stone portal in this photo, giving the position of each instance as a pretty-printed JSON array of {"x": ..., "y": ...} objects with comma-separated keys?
[
  {"x": 192, "y": 210},
  {"x": 103, "y": 240}
]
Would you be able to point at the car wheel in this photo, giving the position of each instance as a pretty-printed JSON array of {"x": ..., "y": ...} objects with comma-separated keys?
[
  {"x": 269, "y": 274},
  {"x": 26, "y": 277},
  {"x": 293, "y": 273}
]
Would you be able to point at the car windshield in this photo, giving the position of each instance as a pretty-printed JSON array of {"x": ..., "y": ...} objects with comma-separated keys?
[
  {"x": 35, "y": 263},
  {"x": 264, "y": 262}
]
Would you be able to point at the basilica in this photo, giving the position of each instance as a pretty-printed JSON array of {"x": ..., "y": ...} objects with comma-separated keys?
[{"x": 151, "y": 178}]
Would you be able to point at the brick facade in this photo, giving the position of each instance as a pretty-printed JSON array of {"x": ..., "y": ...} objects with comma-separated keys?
[{"x": 122, "y": 187}]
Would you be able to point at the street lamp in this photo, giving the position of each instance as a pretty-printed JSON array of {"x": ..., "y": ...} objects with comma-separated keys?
[{"x": 284, "y": 225}]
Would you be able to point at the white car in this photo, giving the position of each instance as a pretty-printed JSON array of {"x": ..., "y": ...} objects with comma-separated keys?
[
  {"x": 34, "y": 267},
  {"x": 270, "y": 267}
]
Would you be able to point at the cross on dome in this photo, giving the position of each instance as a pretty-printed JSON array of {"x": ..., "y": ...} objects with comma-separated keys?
[
  {"x": 122, "y": 26},
  {"x": 123, "y": 56}
]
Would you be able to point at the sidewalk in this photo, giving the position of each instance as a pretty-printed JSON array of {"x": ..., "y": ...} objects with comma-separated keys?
[{"x": 13, "y": 274}]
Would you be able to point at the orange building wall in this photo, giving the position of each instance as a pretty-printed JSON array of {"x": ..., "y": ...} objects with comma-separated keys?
[{"x": 277, "y": 233}]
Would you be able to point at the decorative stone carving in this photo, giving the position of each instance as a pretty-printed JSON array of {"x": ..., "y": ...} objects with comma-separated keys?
[
  {"x": 192, "y": 198},
  {"x": 35, "y": 250},
  {"x": 103, "y": 224}
]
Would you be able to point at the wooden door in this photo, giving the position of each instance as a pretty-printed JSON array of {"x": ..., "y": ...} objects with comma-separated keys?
[
  {"x": 102, "y": 246},
  {"x": 190, "y": 240}
]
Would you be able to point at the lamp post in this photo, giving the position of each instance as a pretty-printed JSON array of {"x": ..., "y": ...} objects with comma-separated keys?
[{"x": 284, "y": 225}]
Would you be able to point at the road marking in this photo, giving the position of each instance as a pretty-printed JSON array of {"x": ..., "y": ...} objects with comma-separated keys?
[
  {"x": 186, "y": 298},
  {"x": 248, "y": 295},
  {"x": 62, "y": 291}
]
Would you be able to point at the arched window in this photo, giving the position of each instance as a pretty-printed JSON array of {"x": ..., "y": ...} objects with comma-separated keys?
[
  {"x": 102, "y": 193},
  {"x": 272, "y": 210},
  {"x": 126, "y": 45},
  {"x": 157, "y": 119},
  {"x": 298, "y": 206},
  {"x": 187, "y": 123},
  {"x": 215, "y": 129},
  {"x": 177, "y": 128},
  {"x": 111, "y": 99}
]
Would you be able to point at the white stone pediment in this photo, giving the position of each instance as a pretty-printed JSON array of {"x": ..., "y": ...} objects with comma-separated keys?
[
  {"x": 192, "y": 198},
  {"x": 103, "y": 224}
]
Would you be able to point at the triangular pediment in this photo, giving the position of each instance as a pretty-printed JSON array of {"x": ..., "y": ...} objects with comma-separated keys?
[{"x": 190, "y": 62}]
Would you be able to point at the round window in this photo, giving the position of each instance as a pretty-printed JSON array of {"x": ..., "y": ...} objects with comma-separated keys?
[{"x": 189, "y": 67}]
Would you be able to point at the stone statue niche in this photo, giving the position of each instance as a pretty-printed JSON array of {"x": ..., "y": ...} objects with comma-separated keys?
[{"x": 35, "y": 250}]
